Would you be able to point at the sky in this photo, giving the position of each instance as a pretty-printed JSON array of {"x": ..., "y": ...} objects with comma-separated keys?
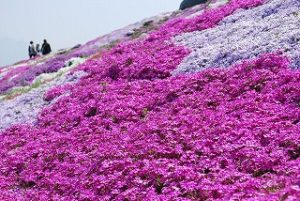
[{"x": 65, "y": 23}]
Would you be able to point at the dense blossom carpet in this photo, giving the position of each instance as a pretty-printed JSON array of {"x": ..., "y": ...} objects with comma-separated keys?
[{"x": 202, "y": 104}]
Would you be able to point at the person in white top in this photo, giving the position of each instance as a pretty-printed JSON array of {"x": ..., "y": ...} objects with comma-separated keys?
[{"x": 31, "y": 50}]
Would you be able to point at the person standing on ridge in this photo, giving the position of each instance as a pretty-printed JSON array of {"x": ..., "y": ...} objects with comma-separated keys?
[
  {"x": 46, "y": 49},
  {"x": 31, "y": 50},
  {"x": 38, "y": 49}
]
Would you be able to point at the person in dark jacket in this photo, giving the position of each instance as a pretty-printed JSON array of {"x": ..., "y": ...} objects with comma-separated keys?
[
  {"x": 31, "y": 50},
  {"x": 46, "y": 48},
  {"x": 190, "y": 3}
]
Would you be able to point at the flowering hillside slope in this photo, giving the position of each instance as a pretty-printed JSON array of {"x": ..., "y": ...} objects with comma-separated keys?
[
  {"x": 271, "y": 27},
  {"x": 185, "y": 106}
]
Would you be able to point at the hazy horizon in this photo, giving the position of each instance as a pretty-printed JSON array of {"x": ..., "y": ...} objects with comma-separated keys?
[{"x": 65, "y": 23}]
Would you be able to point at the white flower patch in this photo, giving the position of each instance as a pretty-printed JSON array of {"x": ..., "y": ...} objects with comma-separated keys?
[
  {"x": 246, "y": 34},
  {"x": 25, "y": 108},
  {"x": 70, "y": 64},
  {"x": 218, "y": 4}
]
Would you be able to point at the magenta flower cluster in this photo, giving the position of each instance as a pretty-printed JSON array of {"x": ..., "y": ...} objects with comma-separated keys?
[
  {"x": 13, "y": 78},
  {"x": 23, "y": 76},
  {"x": 130, "y": 131},
  {"x": 218, "y": 134},
  {"x": 156, "y": 56}
]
